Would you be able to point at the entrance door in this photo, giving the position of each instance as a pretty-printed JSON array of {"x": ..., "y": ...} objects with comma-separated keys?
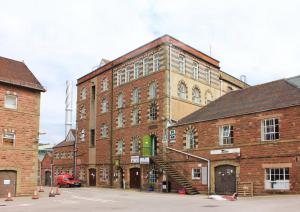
[
  {"x": 153, "y": 145},
  {"x": 47, "y": 178},
  {"x": 92, "y": 177},
  {"x": 225, "y": 179},
  {"x": 135, "y": 178},
  {"x": 8, "y": 181}
]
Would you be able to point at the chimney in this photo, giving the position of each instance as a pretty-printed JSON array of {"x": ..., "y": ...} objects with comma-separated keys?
[{"x": 68, "y": 120}]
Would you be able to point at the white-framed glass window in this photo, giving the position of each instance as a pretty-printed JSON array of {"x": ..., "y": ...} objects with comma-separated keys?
[
  {"x": 207, "y": 75},
  {"x": 82, "y": 112},
  {"x": 11, "y": 101},
  {"x": 277, "y": 178},
  {"x": 181, "y": 64},
  {"x": 153, "y": 175},
  {"x": 196, "y": 96},
  {"x": 135, "y": 96},
  {"x": 190, "y": 140},
  {"x": 135, "y": 145},
  {"x": 120, "y": 77},
  {"x": 120, "y": 148},
  {"x": 105, "y": 84},
  {"x": 105, "y": 174},
  {"x": 136, "y": 70},
  {"x": 104, "y": 130},
  {"x": 153, "y": 112},
  {"x": 135, "y": 116},
  {"x": 9, "y": 138},
  {"x": 127, "y": 74},
  {"x": 182, "y": 90},
  {"x": 196, "y": 70},
  {"x": 156, "y": 63},
  {"x": 120, "y": 119},
  {"x": 270, "y": 129},
  {"x": 196, "y": 173},
  {"x": 146, "y": 66},
  {"x": 83, "y": 93},
  {"x": 120, "y": 100},
  {"x": 104, "y": 105},
  {"x": 82, "y": 135},
  {"x": 153, "y": 90},
  {"x": 226, "y": 134}
]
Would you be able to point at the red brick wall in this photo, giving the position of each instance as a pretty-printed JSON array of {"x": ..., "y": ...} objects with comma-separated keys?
[{"x": 22, "y": 158}]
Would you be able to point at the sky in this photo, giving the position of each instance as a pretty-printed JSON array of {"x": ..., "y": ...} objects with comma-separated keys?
[{"x": 63, "y": 40}]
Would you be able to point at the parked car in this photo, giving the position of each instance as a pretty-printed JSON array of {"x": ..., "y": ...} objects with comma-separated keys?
[{"x": 67, "y": 180}]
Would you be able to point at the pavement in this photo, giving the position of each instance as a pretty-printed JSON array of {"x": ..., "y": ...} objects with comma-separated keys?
[{"x": 101, "y": 199}]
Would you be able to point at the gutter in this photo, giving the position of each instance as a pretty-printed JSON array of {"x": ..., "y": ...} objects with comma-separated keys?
[{"x": 198, "y": 157}]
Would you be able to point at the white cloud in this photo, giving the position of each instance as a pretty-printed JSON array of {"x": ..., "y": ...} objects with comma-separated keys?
[{"x": 62, "y": 40}]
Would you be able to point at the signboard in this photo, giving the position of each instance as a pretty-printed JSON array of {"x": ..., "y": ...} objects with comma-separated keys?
[
  {"x": 135, "y": 159},
  {"x": 144, "y": 160},
  {"x": 225, "y": 151},
  {"x": 172, "y": 135},
  {"x": 6, "y": 182}
]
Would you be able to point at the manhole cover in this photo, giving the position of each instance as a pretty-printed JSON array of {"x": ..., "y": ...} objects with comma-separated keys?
[{"x": 210, "y": 206}]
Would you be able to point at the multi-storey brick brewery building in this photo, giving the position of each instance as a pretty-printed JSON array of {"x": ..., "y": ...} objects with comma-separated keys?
[
  {"x": 125, "y": 107},
  {"x": 19, "y": 128}
]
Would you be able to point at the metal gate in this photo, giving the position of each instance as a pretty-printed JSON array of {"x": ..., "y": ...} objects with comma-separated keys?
[
  {"x": 135, "y": 178},
  {"x": 8, "y": 181},
  {"x": 225, "y": 179}
]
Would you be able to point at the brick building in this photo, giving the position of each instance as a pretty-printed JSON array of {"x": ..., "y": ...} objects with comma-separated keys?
[
  {"x": 125, "y": 106},
  {"x": 20, "y": 95},
  {"x": 44, "y": 164},
  {"x": 250, "y": 138},
  {"x": 63, "y": 155}
]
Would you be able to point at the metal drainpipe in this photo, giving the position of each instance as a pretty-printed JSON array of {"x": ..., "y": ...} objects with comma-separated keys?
[
  {"x": 195, "y": 156},
  {"x": 75, "y": 155},
  {"x": 111, "y": 128}
]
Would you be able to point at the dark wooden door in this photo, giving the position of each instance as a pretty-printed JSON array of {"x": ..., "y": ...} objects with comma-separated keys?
[
  {"x": 225, "y": 179},
  {"x": 47, "y": 178},
  {"x": 8, "y": 181},
  {"x": 135, "y": 178},
  {"x": 92, "y": 177}
]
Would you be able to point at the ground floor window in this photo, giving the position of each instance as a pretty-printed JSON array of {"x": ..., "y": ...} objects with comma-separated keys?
[
  {"x": 196, "y": 173},
  {"x": 152, "y": 176},
  {"x": 277, "y": 178}
]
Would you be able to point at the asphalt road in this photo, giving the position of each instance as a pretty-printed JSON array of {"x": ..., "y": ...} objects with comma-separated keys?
[{"x": 99, "y": 199}]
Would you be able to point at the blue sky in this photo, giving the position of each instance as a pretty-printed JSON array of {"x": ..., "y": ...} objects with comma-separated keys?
[{"x": 63, "y": 40}]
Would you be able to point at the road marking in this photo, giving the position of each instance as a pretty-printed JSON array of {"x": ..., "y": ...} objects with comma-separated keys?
[{"x": 92, "y": 199}]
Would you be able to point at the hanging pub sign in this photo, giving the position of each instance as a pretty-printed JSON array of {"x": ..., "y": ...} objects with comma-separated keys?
[{"x": 172, "y": 135}]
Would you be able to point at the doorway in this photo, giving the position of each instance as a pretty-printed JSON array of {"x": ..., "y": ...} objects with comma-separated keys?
[
  {"x": 135, "y": 178},
  {"x": 225, "y": 179},
  {"x": 92, "y": 177},
  {"x": 8, "y": 183},
  {"x": 121, "y": 177},
  {"x": 47, "y": 178}
]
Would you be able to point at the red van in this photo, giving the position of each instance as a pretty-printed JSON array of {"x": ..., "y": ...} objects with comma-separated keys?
[{"x": 67, "y": 180}]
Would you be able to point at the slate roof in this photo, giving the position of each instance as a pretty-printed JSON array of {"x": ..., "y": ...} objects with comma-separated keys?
[
  {"x": 273, "y": 95},
  {"x": 69, "y": 141},
  {"x": 17, "y": 73}
]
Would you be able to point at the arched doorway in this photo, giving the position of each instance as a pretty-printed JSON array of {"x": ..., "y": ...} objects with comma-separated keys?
[
  {"x": 135, "y": 178},
  {"x": 92, "y": 177},
  {"x": 47, "y": 178},
  {"x": 153, "y": 145},
  {"x": 225, "y": 179},
  {"x": 8, "y": 181}
]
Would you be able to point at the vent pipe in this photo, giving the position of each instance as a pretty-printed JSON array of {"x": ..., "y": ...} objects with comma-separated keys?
[{"x": 68, "y": 120}]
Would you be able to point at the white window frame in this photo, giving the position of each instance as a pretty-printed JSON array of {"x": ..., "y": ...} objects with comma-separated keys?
[
  {"x": 277, "y": 180},
  {"x": 120, "y": 119},
  {"x": 82, "y": 135},
  {"x": 11, "y": 136},
  {"x": 182, "y": 90},
  {"x": 226, "y": 135},
  {"x": 145, "y": 66},
  {"x": 196, "y": 70},
  {"x": 196, "y": 99},
  {"x": 153, "y": 116},
  {"x": 83, "y": 93},
  {"x": 136, "y": 71},
  {"x": 120, "y": 103},
  {"x": 135, "y": 96},
  {"x": 181, "y": 64},
  {"x": 135, "y": 116},
  {"x": 127, "y": 74},
  {"x": 153, "y": 90},
  {"x": 105, "y": 84},
  {"x": 207, "y": 75},
  {"x": 194, "y": 170},
  {"x": 120, "y": 147},
  {"x": 156, "y": 64},
  {"x": 104, "y": 129},
  {"x": 135, "y": 145},
  {"x": 270, "y": 129},
  {"x": 82, "y": 112},
  {"x": 104, "y": 105},
  {"x": 13, "y": 106},
  {"x": 190, "y": 140}
]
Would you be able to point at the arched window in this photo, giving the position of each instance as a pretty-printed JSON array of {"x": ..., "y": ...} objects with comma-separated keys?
[
  {"x": 190, "y": 139},
  {"x": 153, "y": 90},
  {"x": 182, "y": 90},
  {"x": 120, "y": 101},
  {"x": 196, "y": 70},
  {"x": 181, "y": 64},
  {"x": 135, "y": 148},
  {"x": 153, "y": 112},
  {"x": 82, "y": 135},
  {"x": 104, "y": 130},
  {"x": 83, "y": 93},
  {"x": 120, "y": 147},
  {"x": 196, "y": 95},
  {"x": 135, "y": 96},
  {"x": 104, "y": 84},
  {"x": 82, "y": 112},
  {"x": 104, "y": 105},
  {"x": 135, "y": 116},
  {"x": 120, "y": 119}
]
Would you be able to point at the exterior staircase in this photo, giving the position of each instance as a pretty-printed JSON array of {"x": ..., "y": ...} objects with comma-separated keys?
[{"x": 171, "y": 172}]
